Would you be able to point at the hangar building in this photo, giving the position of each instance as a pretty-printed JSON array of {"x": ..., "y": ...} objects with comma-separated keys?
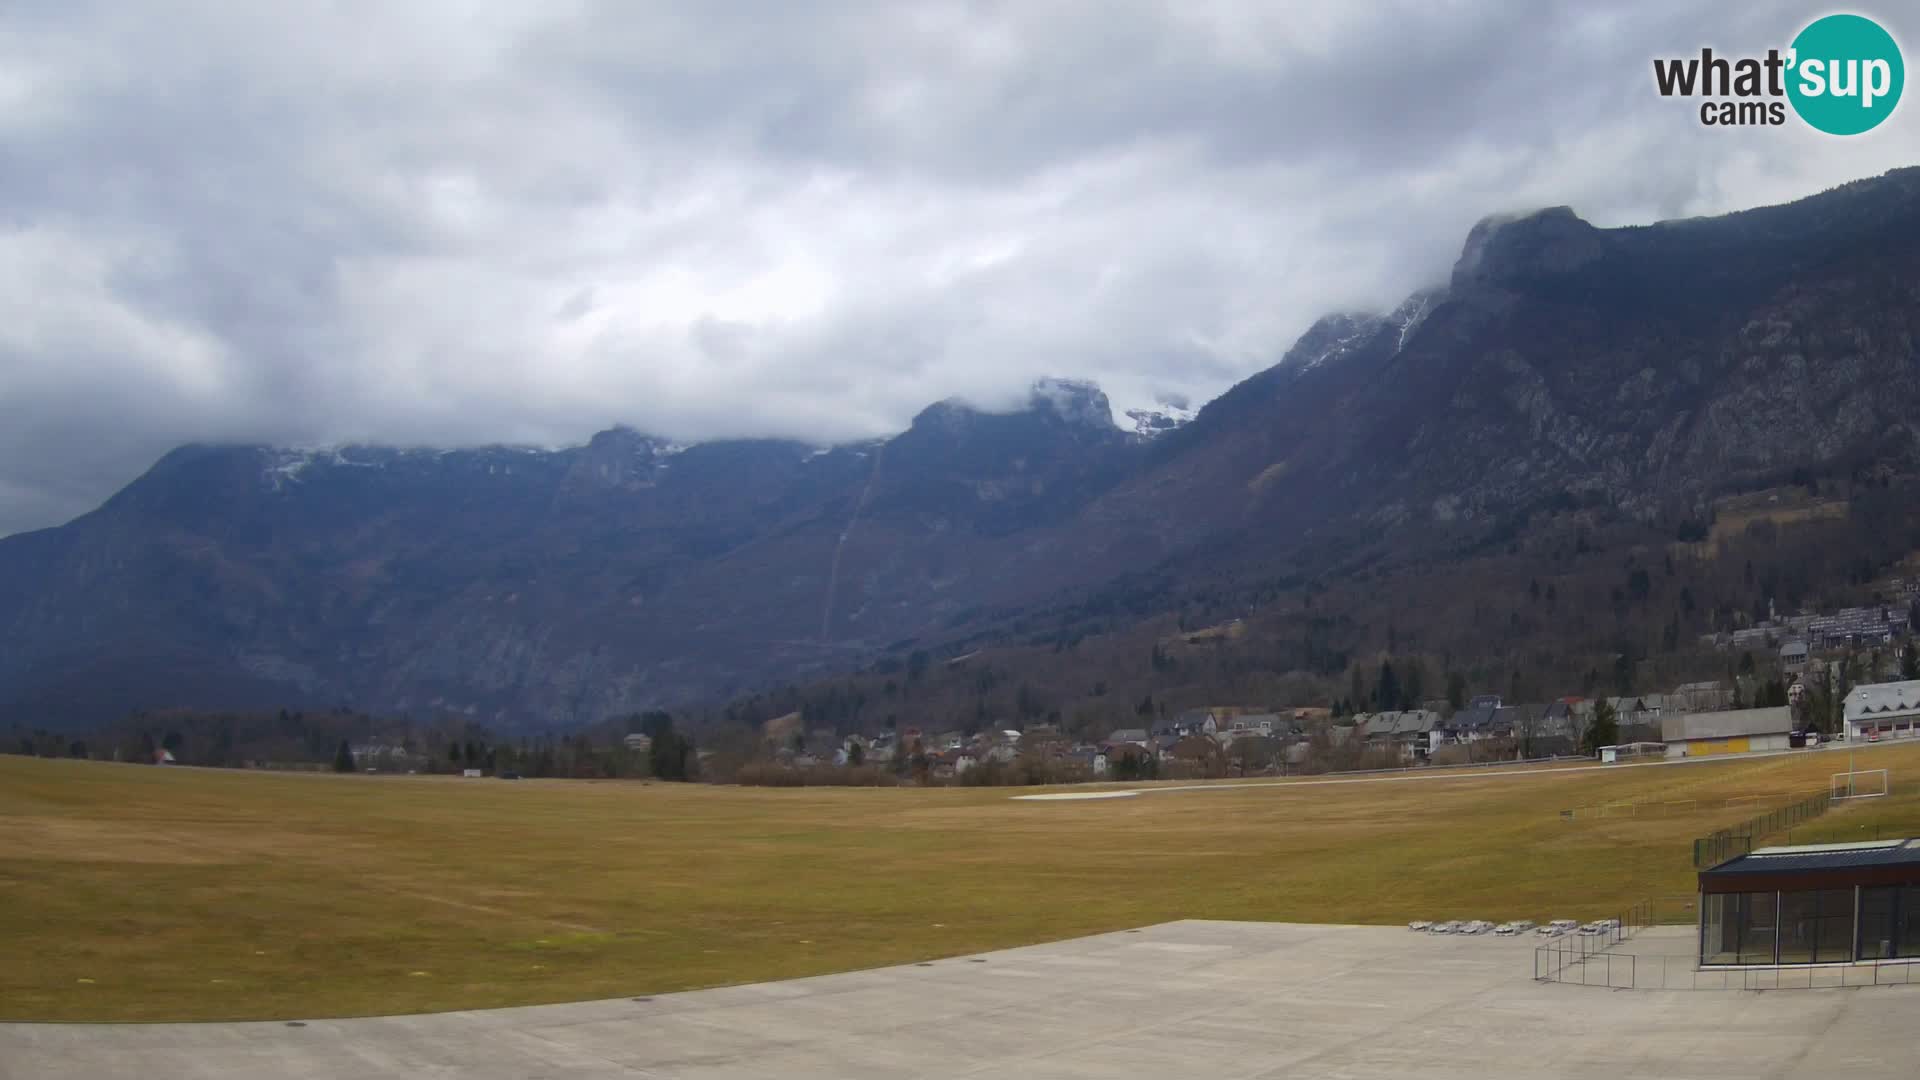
[{"x": 1814, "y": 904}]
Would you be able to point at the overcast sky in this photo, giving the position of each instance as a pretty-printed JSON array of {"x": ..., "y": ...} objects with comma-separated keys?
[{"x": 445, "y": 223}]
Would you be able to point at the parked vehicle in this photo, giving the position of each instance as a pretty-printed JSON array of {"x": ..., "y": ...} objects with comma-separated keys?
[
  {"x": 1521, "y": 926},
  {"x": 1420, "y": 924},
  {"x": 1560, "y": 926},
  {"x": 1505, "y": 929},
  {"x": 1448, "y": 927},
  {"x": 1473, "y": 926}
]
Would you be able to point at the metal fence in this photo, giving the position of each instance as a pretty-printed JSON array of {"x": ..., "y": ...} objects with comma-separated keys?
[
  {"x": 1583, "y": 957},
  {"x": 1736, "y": 840},
  {"x": 1570, "y": 964},
  {"x": 1579, "y": 965},
  {"x": 1599, "y": 960}
]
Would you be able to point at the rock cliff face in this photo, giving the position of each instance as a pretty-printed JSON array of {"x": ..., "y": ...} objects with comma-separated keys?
[{"x": 1630, "y": 367}]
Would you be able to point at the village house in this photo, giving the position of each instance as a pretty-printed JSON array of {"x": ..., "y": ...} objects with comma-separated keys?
[
  {"x": 1557, "y": 733},
  {"x": 1711, "y": 696},
  {"x": 952, "y": 763},
  {"x": 1473, "y": 723},
  {"x": 1883, "y": 711},
  {"x": 1524, "y": 722},
  {"x": 1793, "y": 655},
  {"x": 1853, "y": 627},
  {"x": 1247, "y": 726},
  {"x": 1091, "y": 758},
  {"x": 1191, "y": 722},
  {"x": 383, "y": 755},
  {"x": 1197, "y": 751},
  {"x": 1639, "y": 718},
  {"x": 1410, "y": 732},
  {"x": 1135, "y": 753}
]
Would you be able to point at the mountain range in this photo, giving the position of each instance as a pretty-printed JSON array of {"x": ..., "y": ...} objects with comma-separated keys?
[{"x": 1642, "y": 369}]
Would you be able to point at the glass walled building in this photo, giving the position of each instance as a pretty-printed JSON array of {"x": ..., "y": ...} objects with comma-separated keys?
[{"x": 1818, "y": 904}]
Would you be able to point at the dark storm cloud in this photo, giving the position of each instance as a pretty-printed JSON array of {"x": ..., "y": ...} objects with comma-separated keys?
[{"x": 461, "y": 223}]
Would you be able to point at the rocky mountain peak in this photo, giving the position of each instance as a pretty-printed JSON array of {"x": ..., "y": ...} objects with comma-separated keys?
[
  {"x": 1076, "y": 401},
  {"x": 1506, "y": 249},
  {"x": 1331, "y": 337},
  {"x": 621, "y": 457}
]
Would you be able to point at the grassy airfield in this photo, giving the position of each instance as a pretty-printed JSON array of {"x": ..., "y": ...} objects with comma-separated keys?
[{"x": 139, "y": 893}]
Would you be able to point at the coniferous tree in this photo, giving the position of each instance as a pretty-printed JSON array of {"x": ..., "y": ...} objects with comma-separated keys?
[
  {"x": 672, "y": 756},
  {"x": 1605, "y": 728},
  {"x": 1386, "y": 694}
]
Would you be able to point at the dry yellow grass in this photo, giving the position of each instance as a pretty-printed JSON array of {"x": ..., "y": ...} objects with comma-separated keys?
[
  {"x": 1732, "y": 516},
  {"x": 1732, "y": 523},
  {"x": 200, "y": 894}
]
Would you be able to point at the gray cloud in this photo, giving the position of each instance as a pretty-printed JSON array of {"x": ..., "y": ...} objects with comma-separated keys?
[{"x": 462, "y": 223}]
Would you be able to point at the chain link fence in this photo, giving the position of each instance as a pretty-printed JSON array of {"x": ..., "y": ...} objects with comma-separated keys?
[{"x": 1736, "y": 840}]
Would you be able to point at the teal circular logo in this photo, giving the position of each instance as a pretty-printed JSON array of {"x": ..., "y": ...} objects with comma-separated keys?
[{"x": 1846, "y": 74}]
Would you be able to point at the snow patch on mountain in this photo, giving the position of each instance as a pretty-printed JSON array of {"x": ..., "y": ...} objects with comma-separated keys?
[
  {"x": 1337, "y": 336},
  {"x": 1159, "y": 420},
  {"x": 1331, "y": 338},
  {"x": 1412, "y": 312}
]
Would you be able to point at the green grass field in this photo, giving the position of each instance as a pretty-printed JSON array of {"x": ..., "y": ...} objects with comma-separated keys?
[{"x": 139, "y": 893}]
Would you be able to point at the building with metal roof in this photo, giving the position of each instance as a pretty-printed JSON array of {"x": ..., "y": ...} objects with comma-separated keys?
[
  {"x": 1881, "y": 711},
  {"x": 1813, "y": 904},
  {"x": 1732, "y": 731}
]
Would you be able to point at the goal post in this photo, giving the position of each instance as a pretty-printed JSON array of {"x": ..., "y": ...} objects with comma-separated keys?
[{"x": 1858, "y": 784}]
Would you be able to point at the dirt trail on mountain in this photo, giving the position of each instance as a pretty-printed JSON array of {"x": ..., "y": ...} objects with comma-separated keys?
[{"x": 833, "y": 569}]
